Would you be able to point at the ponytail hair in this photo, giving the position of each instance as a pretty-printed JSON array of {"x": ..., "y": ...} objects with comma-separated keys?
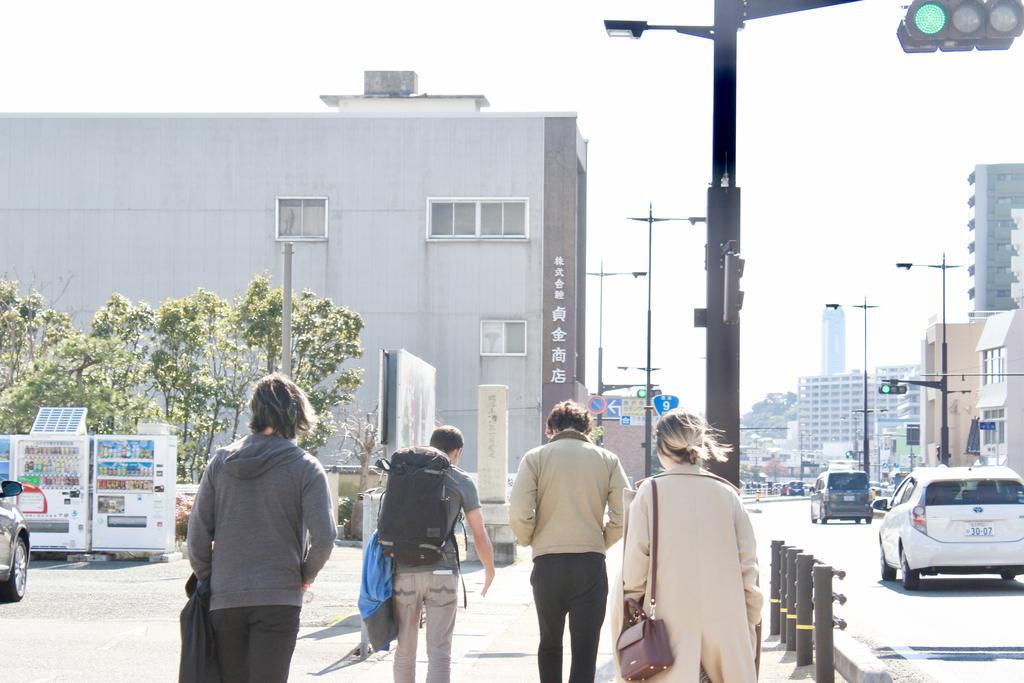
[{"x": 278, "y": 403}]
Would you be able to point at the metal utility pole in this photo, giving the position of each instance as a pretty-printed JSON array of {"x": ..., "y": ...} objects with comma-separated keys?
[
  {"x": 650, "y": 219},
  {"x": 600, "y": 330},
  {"x": 723, "y": 339},
  {"x": 944, "y": 379},
  {"x": 286, "y": 312}
]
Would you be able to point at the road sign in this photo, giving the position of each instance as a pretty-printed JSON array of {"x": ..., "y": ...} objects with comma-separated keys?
[
  {"x": 613, "y": 407},
  {"x": 634, "y": 407},
  {"x": 630, "y": 421},
  {"x": 597, "y": 405},
  {"x": 987, "y": 426},
  {"x": 665, "y": 403}
]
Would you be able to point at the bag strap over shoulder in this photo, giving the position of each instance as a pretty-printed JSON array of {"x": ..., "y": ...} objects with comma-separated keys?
[{"x": 654, "y": 546}]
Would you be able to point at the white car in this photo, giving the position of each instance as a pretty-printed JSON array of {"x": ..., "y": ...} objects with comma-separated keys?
[{"x": 953, "y": 520}]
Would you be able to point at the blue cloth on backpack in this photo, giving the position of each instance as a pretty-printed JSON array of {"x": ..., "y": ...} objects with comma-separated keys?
[
  {"x": 376, "y": 595},
  {"x": 376, "y": 584}
]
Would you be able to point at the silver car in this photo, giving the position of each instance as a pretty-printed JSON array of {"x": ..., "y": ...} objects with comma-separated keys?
[{"x": 14, "y": 545}]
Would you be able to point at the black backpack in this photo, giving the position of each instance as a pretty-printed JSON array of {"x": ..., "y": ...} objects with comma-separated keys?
[{"x": 414, "y": 520}]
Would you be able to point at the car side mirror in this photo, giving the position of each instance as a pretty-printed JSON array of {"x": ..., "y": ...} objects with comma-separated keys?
[
  {"x": 880, "y": 504},
  {"x": 10, "y": 489}
]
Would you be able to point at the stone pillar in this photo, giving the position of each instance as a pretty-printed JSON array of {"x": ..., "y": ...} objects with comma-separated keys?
[{"x": 492, "y": 472}]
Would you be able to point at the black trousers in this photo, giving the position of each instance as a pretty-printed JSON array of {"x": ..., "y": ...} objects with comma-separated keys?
[
  {"x": 255, "y": 644},
  {"x": 573, "y": 584}
]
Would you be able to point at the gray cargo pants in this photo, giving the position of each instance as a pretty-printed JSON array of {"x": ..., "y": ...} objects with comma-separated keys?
[{"x": 439, "y": 592}]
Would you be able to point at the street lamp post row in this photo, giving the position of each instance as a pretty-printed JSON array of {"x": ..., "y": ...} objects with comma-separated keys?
[
  {"x": 864, "y": 307},
  {"x": 650, "y": 219}
]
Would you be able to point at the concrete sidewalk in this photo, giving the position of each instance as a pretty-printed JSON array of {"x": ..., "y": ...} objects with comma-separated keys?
[{"x": 495, "y": 639}]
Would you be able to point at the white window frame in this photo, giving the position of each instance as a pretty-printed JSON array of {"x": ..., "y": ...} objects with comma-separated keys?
[
  {"x": 993, "y": 365},
  {"x": 478, "y": 237},
  {"x": 526, "y": 338},
  {"x": 286, "y": 238}
]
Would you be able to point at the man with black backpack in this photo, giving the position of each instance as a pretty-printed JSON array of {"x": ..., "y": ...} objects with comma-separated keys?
[{"x": 425, "y": 495}]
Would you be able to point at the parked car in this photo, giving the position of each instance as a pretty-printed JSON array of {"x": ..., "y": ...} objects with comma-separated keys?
[
  {"x": 796, "y": 488},
  {"x": 841, "y": 494},
  {"x": 953, "y": 520},
  {"x": 14, "y": 545}
]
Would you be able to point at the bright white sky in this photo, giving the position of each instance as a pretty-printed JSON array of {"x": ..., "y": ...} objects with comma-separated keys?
[{"x": 852, "y": 155}]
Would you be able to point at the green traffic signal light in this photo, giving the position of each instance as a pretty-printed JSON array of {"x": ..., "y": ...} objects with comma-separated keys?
[
  {"x": 641, "y": 393},
  {"x": 930, "y": 18},
  {"x": 885, "y": 389}
]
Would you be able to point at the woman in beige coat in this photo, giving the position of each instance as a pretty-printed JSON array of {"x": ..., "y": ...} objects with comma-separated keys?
[{"x": 708, "y": 592}]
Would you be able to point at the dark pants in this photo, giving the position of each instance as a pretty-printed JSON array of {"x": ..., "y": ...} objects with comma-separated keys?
[
  {"x": 575, "y": 584},
  {"x": 255, "y": 644}
]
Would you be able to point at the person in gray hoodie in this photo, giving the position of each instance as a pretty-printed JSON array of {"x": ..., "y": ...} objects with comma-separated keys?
[{"x": 261, "y": 529}]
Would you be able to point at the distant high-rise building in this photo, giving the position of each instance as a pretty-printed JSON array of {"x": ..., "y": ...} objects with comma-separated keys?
[
  {"x": 997, "y": 189},
  {"x": 833, "y": 342}
]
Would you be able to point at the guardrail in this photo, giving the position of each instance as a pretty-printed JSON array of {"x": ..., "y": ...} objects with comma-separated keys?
[{"x": 800, "y": 609}]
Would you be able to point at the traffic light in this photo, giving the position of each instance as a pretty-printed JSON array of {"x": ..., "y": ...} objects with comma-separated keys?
[
  {"x": 960, "y": 25},
  {"x": 641, "y": 393},
  {"x": 733, "y": 300},
  {"x": 892, "y": 387}
]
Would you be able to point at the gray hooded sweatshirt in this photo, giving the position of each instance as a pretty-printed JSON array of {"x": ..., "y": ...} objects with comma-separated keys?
[{"x": 246, "y": 532}]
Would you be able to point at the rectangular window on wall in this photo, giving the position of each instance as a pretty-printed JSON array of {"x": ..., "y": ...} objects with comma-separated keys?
[
  {"x": 301, "y": 218},
  {"x": 503, "y": 338},
  {"x": 465, "y": 218},
  {"x": 993, "y": 363}
]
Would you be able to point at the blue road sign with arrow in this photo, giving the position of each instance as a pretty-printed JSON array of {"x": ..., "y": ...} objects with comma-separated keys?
[
  {"x": 987, "y": 426},
  {"x": 665, "y": 403},
  {"x": 613, "y": 407}
]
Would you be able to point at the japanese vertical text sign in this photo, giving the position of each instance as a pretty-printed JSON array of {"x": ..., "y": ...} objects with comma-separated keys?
[
  {"x": 492, "y": 443},
  {"x": 564, "y": 235}
]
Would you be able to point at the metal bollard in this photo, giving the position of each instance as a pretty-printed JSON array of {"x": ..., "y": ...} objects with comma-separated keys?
[
  {"x": 782, "y": 592},
  {"x": 804, "y": 610},
  {"x": 773, "y": 608},
  {"x": 824, "y": 622},
  {"x": 791, "y": 598}
]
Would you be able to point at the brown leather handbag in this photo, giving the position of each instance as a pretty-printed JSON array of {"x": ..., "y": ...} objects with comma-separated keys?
[{"x": 643, "y": 647}]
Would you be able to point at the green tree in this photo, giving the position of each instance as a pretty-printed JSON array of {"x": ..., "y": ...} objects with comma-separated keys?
[
  {"x": 324, "y": 337},
  {"x": 83, "y": 370},
  {"x": 191, "y": 357}
]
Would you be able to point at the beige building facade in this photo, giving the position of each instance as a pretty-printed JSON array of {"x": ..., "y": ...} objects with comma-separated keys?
[{"x": 963, "y": 396}]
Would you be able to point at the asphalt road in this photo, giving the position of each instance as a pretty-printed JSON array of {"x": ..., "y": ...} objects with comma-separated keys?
[{"x": 954, "y": 629}]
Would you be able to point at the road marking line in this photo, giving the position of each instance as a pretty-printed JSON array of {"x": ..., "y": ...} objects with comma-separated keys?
[{"x": 340, "y": 619}]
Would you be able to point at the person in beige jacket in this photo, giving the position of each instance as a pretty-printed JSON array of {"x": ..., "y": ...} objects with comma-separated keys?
[
  {"x": 558, "y": 504},
  {"x": 708, "y": 591}
]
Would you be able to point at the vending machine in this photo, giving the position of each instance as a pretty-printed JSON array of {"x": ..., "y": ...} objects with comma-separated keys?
[
  {"x": 7, "y": 446},
  {"x": 52, "y": 464},
  {"x": 134, "y": 498}
]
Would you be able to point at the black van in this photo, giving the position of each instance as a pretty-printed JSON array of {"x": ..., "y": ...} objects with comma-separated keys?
[{"x": 841, "y": 494}]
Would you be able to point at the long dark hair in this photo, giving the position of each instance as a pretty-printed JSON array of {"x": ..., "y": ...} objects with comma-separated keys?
[{"x": 278, "y": 403}]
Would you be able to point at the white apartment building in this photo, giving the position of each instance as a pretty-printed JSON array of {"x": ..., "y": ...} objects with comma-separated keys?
[
  {"x": 830, "y": 412},
  {"x": 1000, "y": 405}
]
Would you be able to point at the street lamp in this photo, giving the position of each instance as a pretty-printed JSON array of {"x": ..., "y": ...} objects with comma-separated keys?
[
  {"x": 650, "y": 219},
  {"x": 864, "y": 306},
  {"x": 722, "y": 379},
  {"x": 944, "y": 380},
  {"x": 600, "y": 328}
]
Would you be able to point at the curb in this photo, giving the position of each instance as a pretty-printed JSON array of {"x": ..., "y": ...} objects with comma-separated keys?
[
  {"x": 775, "y": 499},
  {"x": 856, "y": 663}
]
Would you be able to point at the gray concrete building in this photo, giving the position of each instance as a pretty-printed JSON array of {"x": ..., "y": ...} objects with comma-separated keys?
[
  {"x": 458, "y": 235},
  {"x": 996, "y": 189}
]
